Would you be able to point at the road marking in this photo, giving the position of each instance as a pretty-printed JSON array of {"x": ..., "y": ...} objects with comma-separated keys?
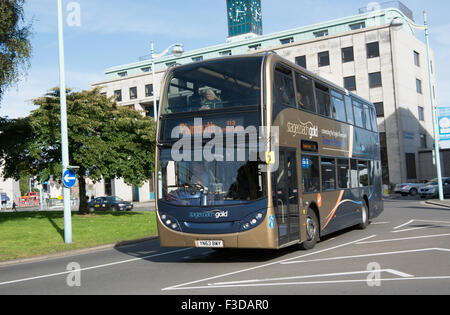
[
  {"x": 368, "y": 255},
  {"x": 312, "y": 283},
  {"x": 178, "y": 286},
  {"x": 391, "y": 271},
  {"x": 404, "y": 224},
  {"x": 378, "y": 223},
  {"x": 403, "y": 239},
  {"x": 93, "y": 267},
  {"x": 420, "y": 228}
]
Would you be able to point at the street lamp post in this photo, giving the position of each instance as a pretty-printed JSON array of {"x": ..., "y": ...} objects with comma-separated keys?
[
  {"x": 64, "y": 136},
  {"x": 176, "y": 51},
  {"x": 437, "y": 155}
]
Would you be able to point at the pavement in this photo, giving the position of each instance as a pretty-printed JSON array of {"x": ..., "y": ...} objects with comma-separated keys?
[{"x": 437, "y": 202}]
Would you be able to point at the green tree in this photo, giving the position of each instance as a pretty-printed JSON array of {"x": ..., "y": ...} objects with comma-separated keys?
[
  {"x": 15, "y": 46},
  {"x": 105, "y": 141}
]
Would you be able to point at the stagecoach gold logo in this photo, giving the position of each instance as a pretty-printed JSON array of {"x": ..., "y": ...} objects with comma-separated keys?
[{"x": 304, "y": 129}]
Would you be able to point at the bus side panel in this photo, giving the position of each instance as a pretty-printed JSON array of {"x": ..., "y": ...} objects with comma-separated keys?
[{"x": 344, "y": 213}]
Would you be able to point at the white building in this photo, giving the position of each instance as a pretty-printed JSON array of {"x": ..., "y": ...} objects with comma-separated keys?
[
  {"x": 365, "y": 53},
  {"x": 11, "y": 188}
]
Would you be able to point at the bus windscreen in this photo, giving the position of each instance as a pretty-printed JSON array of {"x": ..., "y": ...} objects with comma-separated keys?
[{"x": 214, "y": 85}]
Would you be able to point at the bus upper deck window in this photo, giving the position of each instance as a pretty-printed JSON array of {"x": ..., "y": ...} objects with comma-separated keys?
[
  {"x": 284, "y": 87},
  {"x": 305, "y": 93},
  {"x": 323, "y": 100}
]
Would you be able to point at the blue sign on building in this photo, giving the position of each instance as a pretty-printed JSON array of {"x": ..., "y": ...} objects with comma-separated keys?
[
  {"x": 444, "y": 123},
  {"x": 69, "y": 178}
]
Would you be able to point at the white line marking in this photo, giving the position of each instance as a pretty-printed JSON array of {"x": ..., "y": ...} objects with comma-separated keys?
[
  {"x": 378, "y": 223},
  {"x": 403, "y": 239},
  {"x": 446, "y": 222},
  {"x": 391, "y": 271},
  {"x": 397, "y": 227},
  {"x": 265, "y": 265},
  {"x": 309, "y": 283},
  {"x": 368, "y": 255},
  {"x": 93, "y": 267},
  {"x": 419, "y": 228}
]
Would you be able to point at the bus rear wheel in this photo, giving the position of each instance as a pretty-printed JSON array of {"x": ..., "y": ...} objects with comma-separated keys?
[
  {"x": 364, "y": 216},
  {"x": 312, "y": 231}
]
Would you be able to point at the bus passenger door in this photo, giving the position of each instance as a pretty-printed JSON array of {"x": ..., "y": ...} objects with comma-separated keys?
[{"x": 286, "y": 197}]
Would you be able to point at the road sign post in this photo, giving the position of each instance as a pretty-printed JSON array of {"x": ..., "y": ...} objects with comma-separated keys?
[{"x": 64, "y": 136}]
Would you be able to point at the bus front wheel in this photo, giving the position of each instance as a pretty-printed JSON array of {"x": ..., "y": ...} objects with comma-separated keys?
[{"x": 312, "y": 231}]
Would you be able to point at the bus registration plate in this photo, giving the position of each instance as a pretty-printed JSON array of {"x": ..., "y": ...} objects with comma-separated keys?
[{"x": 209, "y": 244}]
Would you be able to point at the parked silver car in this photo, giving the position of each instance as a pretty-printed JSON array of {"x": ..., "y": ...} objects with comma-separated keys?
[
  {"x": 408, "y": 189},
  {"x": 431, "y": 190}
]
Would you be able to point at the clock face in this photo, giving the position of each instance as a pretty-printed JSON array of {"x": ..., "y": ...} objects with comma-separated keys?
[
  {"x": 255, "y": 8},
  {"x": 238, "y": 11}
]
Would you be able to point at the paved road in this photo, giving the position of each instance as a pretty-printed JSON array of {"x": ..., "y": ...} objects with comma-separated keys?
[{"x": 404, "y": 251}]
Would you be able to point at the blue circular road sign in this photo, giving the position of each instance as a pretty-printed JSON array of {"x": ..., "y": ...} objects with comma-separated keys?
[{"x": 69, "y": 178}]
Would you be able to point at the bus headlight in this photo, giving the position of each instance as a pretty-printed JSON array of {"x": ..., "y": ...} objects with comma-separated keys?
[
  {"x": 252, "y": 220},
  {"x": 170, "y": 222}
]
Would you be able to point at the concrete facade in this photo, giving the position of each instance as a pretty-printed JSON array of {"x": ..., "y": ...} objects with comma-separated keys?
[
  {"x": 11, "y": 188},
  {"x": 405, "y": 122}
]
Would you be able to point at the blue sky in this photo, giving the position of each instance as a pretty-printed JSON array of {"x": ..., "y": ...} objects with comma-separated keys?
[{"x": 115, "y": 32}]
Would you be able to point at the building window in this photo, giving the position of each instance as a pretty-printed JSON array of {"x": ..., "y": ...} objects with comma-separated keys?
[
  {"x": 118, "y": 95},
  {"x": 149, "y": 90},
  {"x": 254, "y": 47},
  {"x": 301, "y": 61},
  {"x": 321, "y": 34},
  {"x": 225, "y": 53},
  {"x": 133, "y": 93},
  {"x": 285, "y": 41},
  {"x": 379, "y": 107},
  {"x": 122, "y": 74},
  {"x": 373, "y": 50},
  {"x": 146, "y": 69},
  {"x": 416, "y": 58},
  {"x": 423, "y": 141},
  {"x": 419, "y": 86},
  {"x": 375, "y": 80},
  {"x": 357, "y": 26},
  {"x": 108, "y": 187},
  {"x": 350, "y": 83},
  {"x": 421, "y": 113},
  {"x": 199, "y": 58},
  {"x": 411, "y": 166},
  {"x": 347, "y": 54},
  {"x": 324, "y": 59}
]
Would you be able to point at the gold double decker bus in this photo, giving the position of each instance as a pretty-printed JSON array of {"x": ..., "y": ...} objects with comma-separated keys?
[{"x": 256, "y": 152}]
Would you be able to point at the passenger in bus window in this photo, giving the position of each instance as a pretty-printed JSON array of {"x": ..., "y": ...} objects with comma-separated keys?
[
  {"x": 300, "y": 100},
  {"x": 210, "y": 100}
]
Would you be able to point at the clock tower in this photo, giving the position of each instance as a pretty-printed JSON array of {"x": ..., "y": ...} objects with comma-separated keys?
[{"x": 244, "y": 18}]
